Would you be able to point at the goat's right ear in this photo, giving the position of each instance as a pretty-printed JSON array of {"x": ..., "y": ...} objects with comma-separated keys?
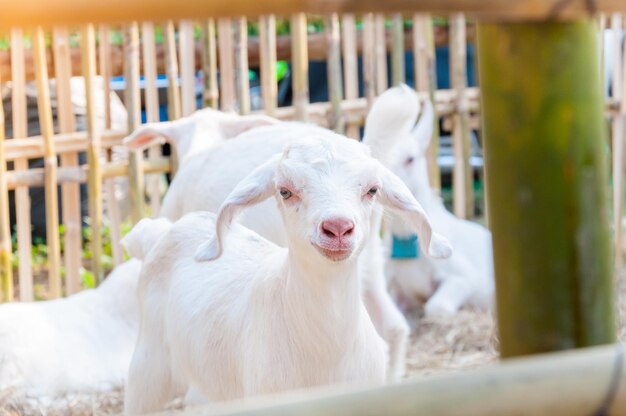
[
  {"x": 423, "y": 131},
  {"x": 153, "y": 133},
  {"x": 253, "y": 189}
]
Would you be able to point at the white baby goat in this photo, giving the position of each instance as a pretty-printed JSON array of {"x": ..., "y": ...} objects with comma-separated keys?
[
  {"x": 467, "y": 276},
  {"x": 246, "y": 317},
  {"x": 204, "y": 181}
]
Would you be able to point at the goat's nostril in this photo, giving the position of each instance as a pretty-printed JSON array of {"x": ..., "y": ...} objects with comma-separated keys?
[{"x": 337, "y": 227}]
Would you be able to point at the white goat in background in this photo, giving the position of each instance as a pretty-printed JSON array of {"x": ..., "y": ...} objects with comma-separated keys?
[
  {"x": 467, "y": 276},
  {"x": 204, "y": 181},
  {"x": 256, "y": 318}
]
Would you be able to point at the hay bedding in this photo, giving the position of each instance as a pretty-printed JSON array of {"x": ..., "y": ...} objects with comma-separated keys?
[{"x": 438, "y": 345}]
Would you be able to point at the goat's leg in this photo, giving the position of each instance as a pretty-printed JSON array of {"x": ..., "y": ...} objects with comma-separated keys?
[
  {"x": 451, "y": 294},
  {"x": 150, "y": 385}
]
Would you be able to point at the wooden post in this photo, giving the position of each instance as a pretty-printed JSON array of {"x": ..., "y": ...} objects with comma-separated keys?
[
  {"x": 242, "y": 81},
  {"x": 617, "y": 135},
  {"x": 22, "y": 198},
  {"x": 369, "y": 59},
  {"x": 398, "y": 75},
  {"x": 333, "y": 62},
  {"x": 425, "y": 66},
  {"x": 171, "y": 69},
  {"x": 381, "y": 53},
  {"x": 6, "y": 266},
  {"x": 227, "y": 63},
  {"x": 208, "y": 49},
  {"x": 152, "y": 108},
  {"x": 187, "y": 67},
  {"x": 269, "y": 84},
  {"x": 94, "y": 181},
  {"x": 70, "y": 192},
  {"x": 300, "y": 65},
  {"x": 113, "y": 209},
  {"x": 133, "y": 105},
  {"x": 463, "y": 181},
  {"x": 50, "y": 164},
  {"x": 544, "y": 139},
  {"x": 350, "y": 68}
]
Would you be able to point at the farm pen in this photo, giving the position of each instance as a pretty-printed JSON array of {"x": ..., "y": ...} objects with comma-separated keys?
[{"x": 540, "y": 166}]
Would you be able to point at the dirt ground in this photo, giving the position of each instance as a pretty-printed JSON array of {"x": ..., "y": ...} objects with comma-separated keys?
[{"x": 438, "y": 345}]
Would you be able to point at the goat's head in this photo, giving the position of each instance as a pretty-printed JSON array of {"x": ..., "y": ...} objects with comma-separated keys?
[
  {"x": 326, "y": 189},
  {"x": 396, "y": 140}
]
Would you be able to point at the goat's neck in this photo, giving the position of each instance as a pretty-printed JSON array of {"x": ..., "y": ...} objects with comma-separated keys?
[{"x": 324, "y": 298}]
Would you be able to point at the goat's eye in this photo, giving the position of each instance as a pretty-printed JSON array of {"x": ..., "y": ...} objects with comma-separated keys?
[
  {"x": 409, "y": 160},
  {"x": 372, "y": 191},
  {"x": 285, "y": 193}
]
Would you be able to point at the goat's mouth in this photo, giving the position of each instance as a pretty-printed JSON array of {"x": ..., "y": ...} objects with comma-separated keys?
[{"x": 334, "y": 253}]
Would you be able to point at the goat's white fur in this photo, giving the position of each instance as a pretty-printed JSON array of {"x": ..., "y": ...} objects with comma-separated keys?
[
  {"x": 258, "y": 318},
  {"x": 467, "y": 276}
]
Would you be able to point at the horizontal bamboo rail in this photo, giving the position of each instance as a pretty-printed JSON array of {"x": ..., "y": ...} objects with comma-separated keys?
[
  {"x": 584, "y": 382},
  {"x": 71, "y": 12}
]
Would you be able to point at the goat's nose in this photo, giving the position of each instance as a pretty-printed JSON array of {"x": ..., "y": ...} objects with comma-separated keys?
[{"x": 337, "y": 227}]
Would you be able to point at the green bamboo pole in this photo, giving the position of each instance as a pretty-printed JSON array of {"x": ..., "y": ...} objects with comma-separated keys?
[
  {"x": 6, "y": 268},
  {"x": 547, "y": 199}
]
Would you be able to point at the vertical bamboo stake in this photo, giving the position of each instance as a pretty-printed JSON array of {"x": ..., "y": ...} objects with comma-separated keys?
[
  {"x": 210, "y": 92},
  {"x": 70, "y": 192},
  {"x": 381, "y": 54},
  {"x": 462, "y": 188},
  {"x": 94, "y": 178},
  {"x": 544, "y": 136},
  {"x": 617, "y": 130},
  {"x": 226, "y": 59},
  {"x": 601, "y": 27},
  {"x": 397, "y": 51},
  {"x": 187, "y": 67},
  {"x": 425, "y": 66},
  {"x": 152, "y": 107},
  {"x": 22, "y": 199},
  {"x": 50, "y": 163},
  {"x": 133, "y": 104},
  {"x": 369, "y": 59},
  {"x": 242, "y": 81},
  {"x": 350, "y": 69},
  {"x": 335, "y": 83},
  {"x": 269, "y": 84},
  {"x": 113, "y": 209},
  {"x": 6, "y": 267},
  {"x": 171, "y": 69},
  {"x": 300, "y": 65}
]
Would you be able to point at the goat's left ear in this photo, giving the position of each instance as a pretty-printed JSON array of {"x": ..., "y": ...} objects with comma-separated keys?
[
  {"x": 253, "y": 189},
  {"x": 423, "y": 130},
  {"x": 395, "y": 195}
]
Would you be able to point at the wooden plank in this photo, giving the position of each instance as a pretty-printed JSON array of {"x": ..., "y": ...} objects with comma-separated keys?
[
  {"x": 617, "y": 128},
  {"x": 50, "y": 165},
  {"x": 70, "y": 193},
  {"x": 380, "y": 47},
  {"x": 152, "y": 108},
  {"x": 171, "y": 70},
  {"x": 133, "y": 105},
  {"x": 335, "y": 82},
  {"x": 88, "y": 45},
  {"x": 226, "y": 64},
  {"x": 267, "y": 44},
  {"x": 208, "y": 47},
  {"x": 398, "y": 75},
  {"x": 22, "y": 198},
  {"x": 425, "y": 66},
  {"x": 6, "y": 265},
  {"x": 300, "y": 65},
  {"x": 350, "y": 67},
  {"x": 51, "y": 12},
  {"x": 462, "y": 188},
  {"x": 369, "y": 58},
  {"x": 187, "y": 67},
  {"x": 242, "y": 82}
]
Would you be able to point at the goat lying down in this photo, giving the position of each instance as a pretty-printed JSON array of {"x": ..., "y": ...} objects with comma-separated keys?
[
  {"x": 466, "y": 278},
  {"x": 231, "y": 315},
  {"x": 222, "y": 167}
]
